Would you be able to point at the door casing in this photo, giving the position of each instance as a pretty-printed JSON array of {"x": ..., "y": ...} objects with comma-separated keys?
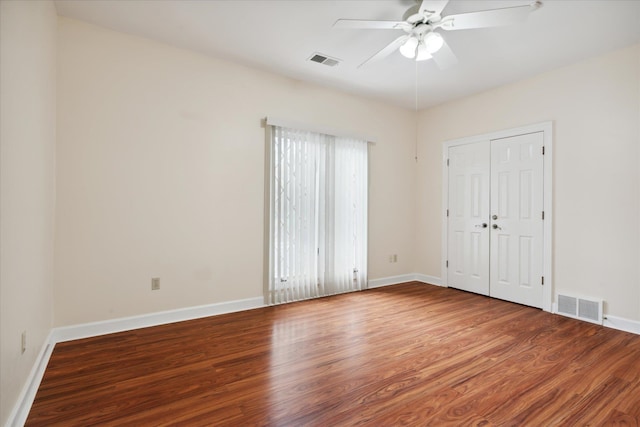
[{"x": 547, "y": 129}]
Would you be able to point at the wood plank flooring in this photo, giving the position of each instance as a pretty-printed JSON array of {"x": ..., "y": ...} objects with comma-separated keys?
[{"x": 409, "y": 354}]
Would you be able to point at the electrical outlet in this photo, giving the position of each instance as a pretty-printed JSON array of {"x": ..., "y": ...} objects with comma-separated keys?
[
  {"x": 23, "y": 342},
  {"x": 155, "y": 283}
]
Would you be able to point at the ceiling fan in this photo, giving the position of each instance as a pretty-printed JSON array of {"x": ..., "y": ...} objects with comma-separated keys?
[{"x": 422, "y": 41}]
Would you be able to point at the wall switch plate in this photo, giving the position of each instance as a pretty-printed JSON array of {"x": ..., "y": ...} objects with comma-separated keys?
[{"x": 155, "y": 283}]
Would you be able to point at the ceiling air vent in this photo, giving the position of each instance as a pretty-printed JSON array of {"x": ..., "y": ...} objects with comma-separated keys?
[{"x": 324, "y": 59}]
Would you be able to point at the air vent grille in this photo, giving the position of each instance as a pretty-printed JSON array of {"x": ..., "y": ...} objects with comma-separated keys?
[
  {"x": 567, "y": 305},
  {"x": 324, "y": 59},
  {"x": 318, "y": 58},
  {"x": 589, "y": 310}
]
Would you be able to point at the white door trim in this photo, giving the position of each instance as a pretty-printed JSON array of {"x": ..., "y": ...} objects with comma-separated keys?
[{"x": 547, "y": 129}]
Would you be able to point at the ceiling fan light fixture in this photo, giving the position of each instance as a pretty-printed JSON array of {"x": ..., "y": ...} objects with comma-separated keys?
[
  {"x": 408, "y": 48},
  {"x": 433, "y": 42}
]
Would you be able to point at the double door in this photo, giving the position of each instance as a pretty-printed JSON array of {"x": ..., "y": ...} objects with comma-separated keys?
[{"x": 495, "y": 218}]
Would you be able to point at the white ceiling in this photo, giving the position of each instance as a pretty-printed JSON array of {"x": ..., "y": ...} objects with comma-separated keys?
[{"x": 280, "y": 36}]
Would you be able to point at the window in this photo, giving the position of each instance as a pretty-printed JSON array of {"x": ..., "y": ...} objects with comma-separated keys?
[{"x": 318, "y": 215}]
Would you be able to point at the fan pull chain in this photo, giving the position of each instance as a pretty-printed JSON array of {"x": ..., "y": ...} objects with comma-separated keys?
[{"x": 416, "y": 100}]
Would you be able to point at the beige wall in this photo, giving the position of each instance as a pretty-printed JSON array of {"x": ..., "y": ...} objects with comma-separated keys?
[
  {"x": 638, "y": 188},
  {"x": 161, "y": 173},
  {"x": 27, "y": 163},
  {"x": 161, "y": 151},
  {"x": 595, "y": 107}
]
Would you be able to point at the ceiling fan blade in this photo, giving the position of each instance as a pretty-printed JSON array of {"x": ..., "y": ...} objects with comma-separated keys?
[
  {"x": 433, "y": 7},
  {"x": 372, "y": 25},
  {"x": 488, "y": 18},
  {"x": 387, "y": 50},
  {"x": 444, "y": 57}
]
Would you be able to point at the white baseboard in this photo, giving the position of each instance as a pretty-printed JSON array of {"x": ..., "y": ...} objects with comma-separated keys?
[
  {"x": 403, "y": 278},
  {"x": 21, "y": 410},
  {"x": 622, "y": 324},
  {"x": 392, "y": 280},
  {"x": 431, "y": 280},
  {"x": 68, "y": 333}
]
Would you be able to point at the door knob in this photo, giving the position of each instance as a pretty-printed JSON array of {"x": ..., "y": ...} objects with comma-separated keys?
[
  {"x": 494, "y": 217},
  {"x": 483, "y": 225},
  {"x": 496, "y": 227}
]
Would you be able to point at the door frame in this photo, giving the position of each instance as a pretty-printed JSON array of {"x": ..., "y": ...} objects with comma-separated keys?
[{"x": 547, "y": 259}]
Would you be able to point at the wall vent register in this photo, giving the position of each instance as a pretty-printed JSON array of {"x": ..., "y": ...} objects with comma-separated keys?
[{"x": 589, "y": 310}]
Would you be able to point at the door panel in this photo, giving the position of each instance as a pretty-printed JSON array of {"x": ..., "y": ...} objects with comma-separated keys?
[
  {"x": 517, "y": 231},
  {"x": 468, "y": 240}
]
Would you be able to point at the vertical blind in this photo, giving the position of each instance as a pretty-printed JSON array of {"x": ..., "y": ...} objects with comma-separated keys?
[{"x": 318, "y": 215}]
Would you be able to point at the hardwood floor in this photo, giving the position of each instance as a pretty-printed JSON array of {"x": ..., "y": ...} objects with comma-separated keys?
[{"x": 409, "y": 354}]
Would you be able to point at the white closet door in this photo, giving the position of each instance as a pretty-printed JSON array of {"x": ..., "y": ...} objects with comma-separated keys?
[
  {"x": 516, "y": 219},
  {"x": 468, "y": 235}
]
